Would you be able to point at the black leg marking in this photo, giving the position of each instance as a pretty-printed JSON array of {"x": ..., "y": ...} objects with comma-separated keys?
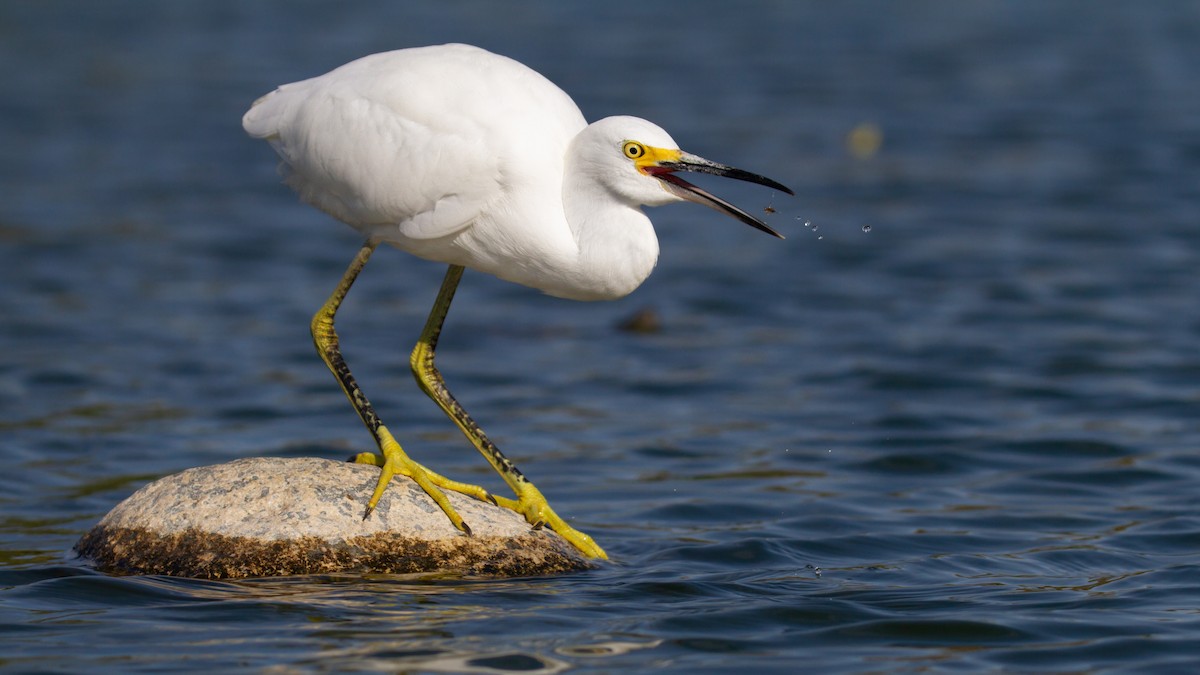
[{"x": 434, "y": 386}]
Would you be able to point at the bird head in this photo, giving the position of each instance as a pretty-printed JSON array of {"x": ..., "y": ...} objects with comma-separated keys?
[{"x": 638, "y": 161}]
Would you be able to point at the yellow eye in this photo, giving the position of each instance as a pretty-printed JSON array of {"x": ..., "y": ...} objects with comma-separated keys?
[{"x": 633, "y": 150}]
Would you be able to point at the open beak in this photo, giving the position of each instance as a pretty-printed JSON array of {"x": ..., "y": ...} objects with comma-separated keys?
[{"x": 666, "y": 170}]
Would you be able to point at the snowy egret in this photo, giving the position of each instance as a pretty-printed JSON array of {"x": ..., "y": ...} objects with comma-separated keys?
[{"x": 461, "y": 156}]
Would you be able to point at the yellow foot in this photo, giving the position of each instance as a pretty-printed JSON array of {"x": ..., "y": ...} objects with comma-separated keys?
[
  {"x": 533, "y": 505},
  {"x": 375, "y": 459},
  {"x": 395, "y": 461}
]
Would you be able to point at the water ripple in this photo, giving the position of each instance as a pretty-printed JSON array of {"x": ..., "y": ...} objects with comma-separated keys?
[{"x": 961, "y": 441}]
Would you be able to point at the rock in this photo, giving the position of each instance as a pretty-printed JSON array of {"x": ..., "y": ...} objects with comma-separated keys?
[
  {"x": 645, "y": 320},
  {"x": 273, "y": 517}
]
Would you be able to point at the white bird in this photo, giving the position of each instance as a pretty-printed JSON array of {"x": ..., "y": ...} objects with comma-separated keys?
[{"x": 465, "y": 157}]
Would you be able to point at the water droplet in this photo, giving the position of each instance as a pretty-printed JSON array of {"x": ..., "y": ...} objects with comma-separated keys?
[{"x": 866, "y": 228}]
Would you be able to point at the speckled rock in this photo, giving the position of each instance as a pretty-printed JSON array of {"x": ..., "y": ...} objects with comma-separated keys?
[{"x": 274, "y": 517}]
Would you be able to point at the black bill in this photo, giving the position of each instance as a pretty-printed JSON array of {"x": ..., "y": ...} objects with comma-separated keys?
[{"x": 666, "y": 172}]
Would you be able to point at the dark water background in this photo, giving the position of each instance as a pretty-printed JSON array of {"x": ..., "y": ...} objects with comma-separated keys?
[{"x": 964, "y": 440}]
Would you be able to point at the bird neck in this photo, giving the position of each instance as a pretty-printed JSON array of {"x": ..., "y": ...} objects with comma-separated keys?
[{"x": 617, "y": 247}]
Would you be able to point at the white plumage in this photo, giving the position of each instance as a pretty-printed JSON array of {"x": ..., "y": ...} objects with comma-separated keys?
[{"x": 458, "y": 155}]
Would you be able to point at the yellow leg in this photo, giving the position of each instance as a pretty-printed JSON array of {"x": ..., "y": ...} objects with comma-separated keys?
[
  {"x": 393, "y": 460},
  {"x": 530, "y": 502}
]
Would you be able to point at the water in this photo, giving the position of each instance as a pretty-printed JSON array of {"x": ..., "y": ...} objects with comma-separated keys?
[{"x": 964, "y": 442}]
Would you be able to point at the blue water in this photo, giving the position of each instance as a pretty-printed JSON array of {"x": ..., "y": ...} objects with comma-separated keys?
[{"x": 964, "y": 440}]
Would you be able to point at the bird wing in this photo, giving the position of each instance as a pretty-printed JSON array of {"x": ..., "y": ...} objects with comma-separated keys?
[
  {"x": 415, "y": 143},
  {"x": 370, "y": 162}
]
